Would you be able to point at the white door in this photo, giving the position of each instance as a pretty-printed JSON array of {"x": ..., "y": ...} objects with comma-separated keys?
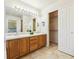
[
  {"x": 66, "y": 30},
  {"x": 71, "y": 30}
]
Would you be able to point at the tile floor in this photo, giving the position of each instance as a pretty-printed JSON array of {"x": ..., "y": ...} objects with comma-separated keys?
[{"x": 48, "y": 53}]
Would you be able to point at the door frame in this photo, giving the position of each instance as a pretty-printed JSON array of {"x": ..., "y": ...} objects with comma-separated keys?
[{"x": 49, "y": 25}]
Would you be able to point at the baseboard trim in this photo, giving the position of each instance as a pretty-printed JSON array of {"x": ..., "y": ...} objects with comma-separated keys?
[
  {"x": 53, "y": 43},
  {"x": 65, "y": 53}
]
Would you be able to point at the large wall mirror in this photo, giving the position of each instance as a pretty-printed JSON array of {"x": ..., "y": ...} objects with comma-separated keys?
[
  {"x": 21, "y": 24},
  {"x": 29, "y": 24}
]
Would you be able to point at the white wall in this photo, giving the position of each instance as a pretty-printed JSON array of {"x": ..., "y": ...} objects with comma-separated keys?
[
  {"x": 45, "y": 15},
  {"x": 65, "y": 24}
]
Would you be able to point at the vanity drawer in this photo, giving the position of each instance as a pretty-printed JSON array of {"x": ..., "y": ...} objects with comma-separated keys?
[
  {"x": 33, "y": 44},
  {"x": 33, "y": 40}
]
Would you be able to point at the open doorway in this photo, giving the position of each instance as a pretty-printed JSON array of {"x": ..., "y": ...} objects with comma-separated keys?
[{"x": 53, "y": 27}]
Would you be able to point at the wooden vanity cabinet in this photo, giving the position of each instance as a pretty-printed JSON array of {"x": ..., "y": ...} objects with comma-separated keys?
[
  {"x": 12, "y": 49},
  {"x": 19, "y": 47},
  {"x": 24, "y": 46},
  {"x": 41, "y": 41},
  {"x": 33, "y": 43}
]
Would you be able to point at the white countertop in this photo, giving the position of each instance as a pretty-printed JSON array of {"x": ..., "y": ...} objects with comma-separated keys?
[{"x": 9, "y": 37}]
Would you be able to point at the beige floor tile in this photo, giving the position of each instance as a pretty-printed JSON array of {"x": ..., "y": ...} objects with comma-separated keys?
[{"x": 48, "y": 53}]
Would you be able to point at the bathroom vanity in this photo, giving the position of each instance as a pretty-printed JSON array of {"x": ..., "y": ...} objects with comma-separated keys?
[
  {"x": 23, "y": 35},
  {"x": 20, "y": 45}
]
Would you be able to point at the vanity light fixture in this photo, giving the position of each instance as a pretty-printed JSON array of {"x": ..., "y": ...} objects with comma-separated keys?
[{"x": 26, "y": 11}]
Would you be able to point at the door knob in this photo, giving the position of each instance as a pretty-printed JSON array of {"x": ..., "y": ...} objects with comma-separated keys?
[{"x": 72, "y": 32}]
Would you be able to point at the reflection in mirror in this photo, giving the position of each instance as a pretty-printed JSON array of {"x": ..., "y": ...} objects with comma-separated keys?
[
  {"x": 12, "y": 26},
  {"x": 25, "y": 24},
  {"x": 34, "y": 24},
  {"x": 21, "y": 25},
  {"x": 29, "y": 24}
]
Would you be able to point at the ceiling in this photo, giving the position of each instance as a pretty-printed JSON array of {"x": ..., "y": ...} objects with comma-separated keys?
[
  {"x": 40, "y": 4},
  {"x": 37, "y": 4}
]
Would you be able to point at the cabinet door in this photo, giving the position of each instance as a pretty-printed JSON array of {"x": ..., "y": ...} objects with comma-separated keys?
[
  {"x": 42, "y": 41},
  {"x": 12, "y": 49},
  {"x": 7, "y": 50},
  {"x": 24, "y": 46},
  {"x": 33, "y": 43}
]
